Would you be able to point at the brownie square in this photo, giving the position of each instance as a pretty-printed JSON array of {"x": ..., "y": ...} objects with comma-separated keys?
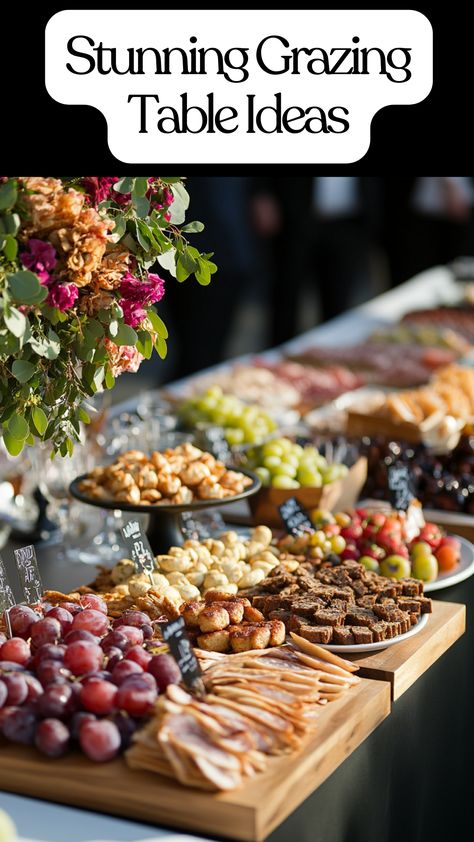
[
  {"x": 343, "y": 636},
  {"x": 362, "y": 634},
  {"x": 296, "y": 621},
  {"x": 317, "y": 634},
  {"x": 366, "y": 601},
  {"x": 328, "y": 617},
  {"x": 306, "y": 606},
  {"x": 360, "y": 617},
  {"x": 426, "y": 605},
  {"x": 411, "y": 587},
  {"x": 379, "y": 630},
  {"x": 411, "y": 605}
]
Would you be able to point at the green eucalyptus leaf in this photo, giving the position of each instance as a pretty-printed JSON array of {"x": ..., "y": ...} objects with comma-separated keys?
[
  {"x": 119, "y": 228},
  {"x": 158, "y": 324},
  {"x": 141, "y": 186},
  {"x": 161, "y": 347},
  {"x": 126, "y": 335},
  {"x": 94, "y": 328},
  {"x": 203, "y": 275},
  {"x": 109, "y": 379},
  {"x": 11, "y": 223},
  {"x": 82, "y": 415},
  {"x": 142, "y": 206},
  {"x": 18, "y": 427},
  {"x": 40, "y": 419},
  {"x": 15, "y": 321},
  {"x": 113, "y": 328},
  {"x": 168, "y": 261},
  {"x": 23, "y": 370},
  {"x": 10, "y": 247},
  {"x": 125, "y": 185},
  {"x": 188, "y": 261},
  {"x": 25, "y": 287},
  {"x": 143, "y": 236},
  {"x": 145, "y": 344},
  {"x": 179, "y": 190},
  {"x": 171, "y": 180},
  {"x": 177, "y": 210},
  {"x": 8, "y": 195},
  {"x": 193, "y": 227},
  {"x": 13, "y": 445}
]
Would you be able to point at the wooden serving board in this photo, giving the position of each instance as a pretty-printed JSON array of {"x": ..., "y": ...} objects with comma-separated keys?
[
  {"x": 401, "y": 665},
  {"x": 249, "y": 814}
]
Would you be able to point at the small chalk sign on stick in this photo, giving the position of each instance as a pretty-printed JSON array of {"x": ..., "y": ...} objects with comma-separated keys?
[
  {"x": 139, "y": 548},
  {"x": 7, "y": 600},
  {"x": 175, "y": 635},
  {"x": 401, "y": 486},
  {"x": 28, "y": 574},
  {"x": 294, "y": 517}
]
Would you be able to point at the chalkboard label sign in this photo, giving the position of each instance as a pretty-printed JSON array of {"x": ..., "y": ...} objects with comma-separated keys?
[
  {"x": 7, "y": 600},
  {"x": 28, "y": 574},
  {"x": 175, "y": 635},
  {"x": 139, "y": 548},
  {"x": 295, "y": 518},
  {"x": 400, "y": 486}
]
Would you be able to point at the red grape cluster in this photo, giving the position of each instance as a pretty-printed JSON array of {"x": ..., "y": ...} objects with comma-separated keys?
[{"x": 69, "y": 676}]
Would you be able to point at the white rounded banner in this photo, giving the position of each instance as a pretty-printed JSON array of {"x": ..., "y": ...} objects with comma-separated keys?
[{"x": 239, "y": 86}]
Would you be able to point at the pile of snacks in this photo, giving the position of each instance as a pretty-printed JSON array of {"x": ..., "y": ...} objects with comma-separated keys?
[
  {"x": 450, "y": 392},
  {"x": 342, "y": 605},
  {"x": 226, "y": 563},
  {"x": 281, "y": 463},
  {"x": 178, "y": 476},
  {"x": 226, "y": 623},
  {"x": 70, "y": 678},
  {"x": 315, "y": 385},
  {"x": 459, "y": 319},
  {"x": 394, "y": 544},
  {"x": 251, "y": 384},
  {"x": 441, "y": 481},
  {"x": 429, "y": 335},
  {"x": 257, "y": 705},
  {"x": 243, "y": 424},
  {"x": 384, "y": 365}
]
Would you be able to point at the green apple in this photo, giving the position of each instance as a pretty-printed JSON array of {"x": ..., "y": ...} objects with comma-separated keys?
[
  {"x": 420, "y": 549},
  {"x": 425, "y": 567},
  {"x": 369, "y": 563},
  {"x": 396, "y": 566}
]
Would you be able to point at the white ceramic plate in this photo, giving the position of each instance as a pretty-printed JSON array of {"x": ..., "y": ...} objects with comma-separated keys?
[
  {"x": 376, "y": 647},
  {"x": 464, "y": 569}
]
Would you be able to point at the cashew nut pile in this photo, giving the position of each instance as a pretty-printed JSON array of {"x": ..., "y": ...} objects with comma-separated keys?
[
  {"x": 177, "y": 476},
  {"x": 226, "y": 564}
]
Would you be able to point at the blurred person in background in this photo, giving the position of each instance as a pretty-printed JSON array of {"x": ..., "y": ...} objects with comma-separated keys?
[
  {"x": 428, "y": 221},
  {"x": 202, "y": 317},
  {"x": 319, "y": 233}
]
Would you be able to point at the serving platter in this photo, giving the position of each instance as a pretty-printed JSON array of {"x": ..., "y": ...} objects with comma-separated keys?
[
  {"x": 464, "y": 569},
  {"x": 248, "y": 814},
  {"x": 165, "y": 525},
  {"x": 376, "y": 647}
]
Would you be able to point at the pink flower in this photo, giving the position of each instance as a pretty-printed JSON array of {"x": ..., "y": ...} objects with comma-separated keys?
[
  {"x": 62, "y": 296},
  {"x": 133, "y": 312},
  {"x": 100, "y": 188},
  {"x": 137, "y": 295},
  {"x": 40, "y": 258},
  {"x": 123, "y": 358}
]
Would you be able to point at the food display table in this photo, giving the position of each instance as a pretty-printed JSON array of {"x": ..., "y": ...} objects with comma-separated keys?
[{"x": 390, "y": 761}]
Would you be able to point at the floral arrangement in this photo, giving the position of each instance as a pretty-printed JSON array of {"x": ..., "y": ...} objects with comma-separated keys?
[{"x": 77, "y": 295}]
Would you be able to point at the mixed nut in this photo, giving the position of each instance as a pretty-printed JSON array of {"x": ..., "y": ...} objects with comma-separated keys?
[{"x": 177, "y": 476}]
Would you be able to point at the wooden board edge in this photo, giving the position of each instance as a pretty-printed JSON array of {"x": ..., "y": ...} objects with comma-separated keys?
[
  {"x": 455, "y": 626},
  {"x": 375, "y": 710}
]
